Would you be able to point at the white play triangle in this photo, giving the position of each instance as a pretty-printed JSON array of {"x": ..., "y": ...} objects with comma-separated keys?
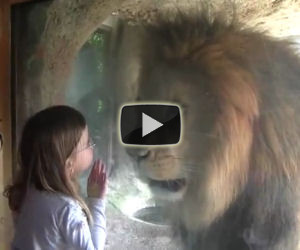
[{"x": 149, "y": 124}]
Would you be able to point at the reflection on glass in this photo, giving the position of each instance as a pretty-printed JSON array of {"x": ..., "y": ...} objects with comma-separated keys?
[
  {"x": 235, "y": 171},
  {"x": 134, "y": 221}
]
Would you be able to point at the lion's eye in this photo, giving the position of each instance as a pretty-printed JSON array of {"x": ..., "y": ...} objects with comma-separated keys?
[{"x": 184, "y": 106}]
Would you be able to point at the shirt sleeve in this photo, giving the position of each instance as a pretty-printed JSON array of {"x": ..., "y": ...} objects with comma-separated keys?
[
  {"x": 98, "y": 228},
  {"x": 76, "y": 231}
]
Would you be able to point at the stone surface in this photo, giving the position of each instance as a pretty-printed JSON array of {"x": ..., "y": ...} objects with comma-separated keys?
[{"x": 124, "y": 233}]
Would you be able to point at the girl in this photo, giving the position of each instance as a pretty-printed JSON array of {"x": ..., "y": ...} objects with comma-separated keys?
[{"x": 54, "y": 149}]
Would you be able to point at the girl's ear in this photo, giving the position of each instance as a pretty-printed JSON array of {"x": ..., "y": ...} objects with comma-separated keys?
[
  {"x": 69, "y": 167},
  {"x": 69, "y": 163}
]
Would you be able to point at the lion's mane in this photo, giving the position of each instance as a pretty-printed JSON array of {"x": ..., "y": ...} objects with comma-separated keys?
[{"x": 251, "y": 196}]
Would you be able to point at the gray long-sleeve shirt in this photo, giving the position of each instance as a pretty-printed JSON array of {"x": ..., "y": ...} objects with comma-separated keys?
[{"x": 53, "y": 221}]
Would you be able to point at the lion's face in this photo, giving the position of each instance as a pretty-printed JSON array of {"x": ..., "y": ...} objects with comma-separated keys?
[
  {"x": 168, "y": 170},
  {"x": 206, "y": 171}
]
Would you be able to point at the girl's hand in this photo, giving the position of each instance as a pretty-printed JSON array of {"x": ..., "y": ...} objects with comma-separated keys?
[{"x": 97, "y": 181}]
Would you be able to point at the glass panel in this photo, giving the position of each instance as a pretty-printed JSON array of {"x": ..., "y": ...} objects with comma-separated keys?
[
  {"x": 134, "y": 221},
  {"x": 238, "y": 105}
]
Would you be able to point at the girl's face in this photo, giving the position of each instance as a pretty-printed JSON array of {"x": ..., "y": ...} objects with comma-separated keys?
[{"x": 83, "y": 155}]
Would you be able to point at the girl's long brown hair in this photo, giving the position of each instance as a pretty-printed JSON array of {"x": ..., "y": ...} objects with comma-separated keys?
[{"x": 48, "y": 140}]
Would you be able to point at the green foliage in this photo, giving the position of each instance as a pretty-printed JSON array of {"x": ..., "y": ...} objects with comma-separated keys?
[
  {"x": 97, "y": 40},
  {"x": 100, "y": 106}
]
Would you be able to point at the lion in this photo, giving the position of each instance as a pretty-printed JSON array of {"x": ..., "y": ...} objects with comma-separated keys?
[{"x": 233, "y": 181}]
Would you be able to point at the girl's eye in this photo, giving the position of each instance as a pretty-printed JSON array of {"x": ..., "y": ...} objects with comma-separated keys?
[{"x": 91, "y": 143}]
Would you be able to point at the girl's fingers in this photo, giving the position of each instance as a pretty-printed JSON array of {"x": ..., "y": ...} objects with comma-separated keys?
[
  {"x": 98, "y": 173},
  {"x": 96, "y": 167},
  {"x": 102, "y": 168},
  {"x": 99, "y": 170},
  {"x": 104, "y": 180},
  {"x": 103, "y": 177},
  {"x": 94, "y": 170},
  {"x": 93, "y": 173}
]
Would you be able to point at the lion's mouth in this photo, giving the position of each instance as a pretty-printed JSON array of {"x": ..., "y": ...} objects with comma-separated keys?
[{"x": 169, "y": 185}]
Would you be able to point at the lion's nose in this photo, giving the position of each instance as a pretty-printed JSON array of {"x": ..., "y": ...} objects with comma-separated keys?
[{"x": 138, "y": 153}]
